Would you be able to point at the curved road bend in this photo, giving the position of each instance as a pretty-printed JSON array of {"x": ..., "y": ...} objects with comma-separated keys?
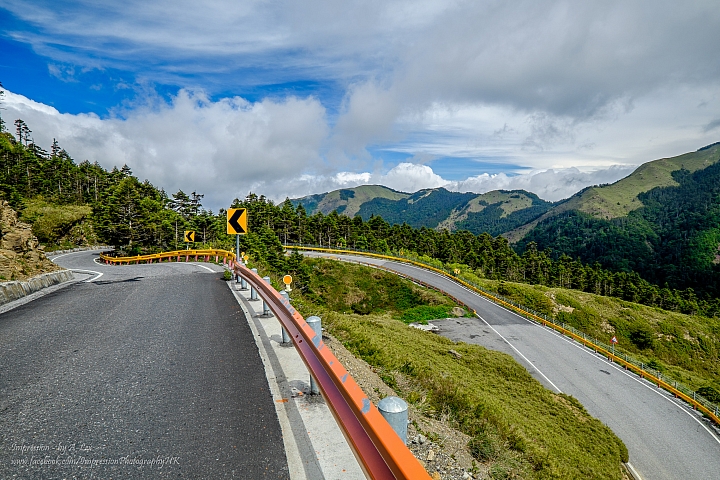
[
  {"x": 665, "y": 439},
  {"x": 150, "y": 371}
]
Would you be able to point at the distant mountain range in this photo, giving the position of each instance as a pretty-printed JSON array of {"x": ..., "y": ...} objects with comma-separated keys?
[
  {"x": 662, "y": 221},
  {"x": 494, "y": 212}
]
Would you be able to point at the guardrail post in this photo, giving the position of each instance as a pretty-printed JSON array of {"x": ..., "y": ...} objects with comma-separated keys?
[
  {"x": 266, "y": 307},
  {"x": 253, "y": 292},
  {"x": 316, "y": 324},
  {"x": 395, "y": 411},
  {"x": 285, "y": 336}
]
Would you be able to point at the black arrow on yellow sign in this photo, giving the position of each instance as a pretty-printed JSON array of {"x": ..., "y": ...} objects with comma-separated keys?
[
  {"x": 189, "y": 236},
  {"x": 237, "y": 221}
]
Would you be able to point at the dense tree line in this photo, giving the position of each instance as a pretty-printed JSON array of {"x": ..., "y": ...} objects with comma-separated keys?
[{"x": 490, "y": 257}]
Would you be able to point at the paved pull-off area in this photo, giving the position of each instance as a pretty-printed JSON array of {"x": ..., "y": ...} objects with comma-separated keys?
[
  {"x": 144, "y": 372},
  {"x": 665, "y": 438}
]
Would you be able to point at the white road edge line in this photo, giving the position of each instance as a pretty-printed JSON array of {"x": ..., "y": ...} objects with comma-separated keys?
[
  {"x": 583, "y": 348},
  {"x": 99, "y": 274},
  {"x": 292, "y": 452},
  {"x": 206, "y": 268},
  {"x": 519, "y": 353}
]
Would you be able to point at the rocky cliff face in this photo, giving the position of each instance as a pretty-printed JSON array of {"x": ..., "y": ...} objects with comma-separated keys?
[{"x": 21, "y": 257}]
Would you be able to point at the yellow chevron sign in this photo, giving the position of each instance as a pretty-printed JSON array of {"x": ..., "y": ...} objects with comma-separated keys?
[
  {"x": 237, "y": 221},
  {"x": 189, "y": 236}
]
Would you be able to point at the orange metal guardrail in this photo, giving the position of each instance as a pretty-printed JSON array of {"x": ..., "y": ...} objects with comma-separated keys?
[
  {"x": 198, "y": 255},
  {"x": 379, "y": 450},
  {"x": 588, "y": 343}
]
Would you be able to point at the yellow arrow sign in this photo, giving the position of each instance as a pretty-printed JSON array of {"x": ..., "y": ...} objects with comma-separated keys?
[
  {"x": 237, "y": 221},
  {"x": 189, "y": 236}
]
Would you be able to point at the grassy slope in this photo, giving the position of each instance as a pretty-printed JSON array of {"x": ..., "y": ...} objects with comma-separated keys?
[
  {"x": 331, "y": 201},
  {"x": 509, "y": 203},
  {"x": 520, "y": 428},
  {"x": 620, "y": 198}
]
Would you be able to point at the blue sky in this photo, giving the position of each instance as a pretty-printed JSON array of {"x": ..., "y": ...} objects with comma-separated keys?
[{"x": 288, "y": 99}]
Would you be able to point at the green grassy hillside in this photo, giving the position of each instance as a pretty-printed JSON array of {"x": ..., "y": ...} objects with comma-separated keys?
[
  {"x": 673, "y": 238},
  {"x": 518, "y": 428},
  {"x": 348, "y": 200},
  {"x": 621, "y": 198},
  {"x": 426, "y": 208},
  {"x": 496, "y": 212}
]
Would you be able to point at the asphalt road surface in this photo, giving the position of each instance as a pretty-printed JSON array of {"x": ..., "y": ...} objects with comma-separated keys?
[
  {"x": 145, "y": 371},
  {"x": 666, "y": 440}
]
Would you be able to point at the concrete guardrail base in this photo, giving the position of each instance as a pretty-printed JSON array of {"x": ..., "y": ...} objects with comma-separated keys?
[{"x": 10, "y": 291}]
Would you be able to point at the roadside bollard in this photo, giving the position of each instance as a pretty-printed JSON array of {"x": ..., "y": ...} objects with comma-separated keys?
[
  {"x": 266, "y": 307},
  {"x": 285, "y": 336},
  {"x": 243, "y": 284},
  {"x": 316, "y": 324},
  {"x": 395, "y": 411},
  {"x": 253, "y": 292}
]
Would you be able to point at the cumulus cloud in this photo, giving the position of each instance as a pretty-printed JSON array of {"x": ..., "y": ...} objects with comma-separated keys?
[
  {"x": 229, "y": 147},
  {"x": 551, "y": 184},
  {"x": 219, "y": 148}
]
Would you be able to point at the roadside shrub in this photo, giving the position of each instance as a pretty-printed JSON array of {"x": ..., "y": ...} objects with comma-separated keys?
[
  {"x": 51, "y": 222},
  {"x": 642, "y": 336},
  {"x": 709, "y": 392}
]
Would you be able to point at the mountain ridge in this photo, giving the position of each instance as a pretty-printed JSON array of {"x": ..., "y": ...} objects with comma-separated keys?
[{"x": 496, "y": 211}]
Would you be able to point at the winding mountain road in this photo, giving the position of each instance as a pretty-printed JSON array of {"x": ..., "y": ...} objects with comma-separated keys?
[{"x": 666, "y": 439}]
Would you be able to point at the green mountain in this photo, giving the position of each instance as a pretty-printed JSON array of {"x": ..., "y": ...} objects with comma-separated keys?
[
  {"x": 493, "y": 212},
  {"x": 347, "y": 200},
  {"x": 662, "y": 221}
]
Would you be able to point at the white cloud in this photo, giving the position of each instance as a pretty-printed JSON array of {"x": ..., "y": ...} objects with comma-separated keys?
[
  {"x": 552, "y": 184},
  {"x": 218, "y": 148},
  {"x": 230, "y": 147}
]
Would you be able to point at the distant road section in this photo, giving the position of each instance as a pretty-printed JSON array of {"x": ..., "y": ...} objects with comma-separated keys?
[
  {"x": 148, "y": 371},
  {"x": 666, "y": 439}
]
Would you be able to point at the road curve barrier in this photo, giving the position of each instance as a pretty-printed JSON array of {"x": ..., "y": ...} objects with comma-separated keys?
[
  {"x": 205, "y": 255},
  {"x": 708, "y": 408},
  {"x": 379, "y": 450}
]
